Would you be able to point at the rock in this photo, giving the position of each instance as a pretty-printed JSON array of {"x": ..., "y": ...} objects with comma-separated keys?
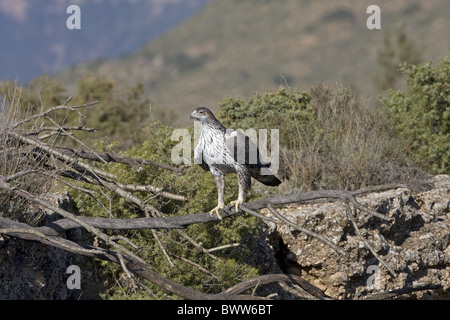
[
  {"x": 416, "y": 245},
  {"x": 33, "y": 271}
]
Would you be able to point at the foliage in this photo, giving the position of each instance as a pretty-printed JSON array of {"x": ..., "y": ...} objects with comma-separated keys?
[
  {"x": 327, "y": 139},
  {"x": 122, "y": 112},
  {"x": 269, "y": 111},
  {"x": 421, "y": 114},
  {"x": 392, "y": 55},
  {"x": 120, "y": 116}
]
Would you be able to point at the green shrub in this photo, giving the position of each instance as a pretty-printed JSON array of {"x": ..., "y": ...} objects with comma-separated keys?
[
  {"x": 421, "y": 114},
  {"x": 120, "y": 115},
  {"x": 327, "y": 139}
]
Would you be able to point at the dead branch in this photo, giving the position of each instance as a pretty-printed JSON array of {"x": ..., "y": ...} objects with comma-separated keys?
[
  {"x": 348, "y": 212},
  {"x": 22, "y": 231},
  {"x": 178, "y": 222},
  {"x": 135, "y": 163},
  {"x": 405, "y": 290},
  {"x": 60, "y": 129},
  {"x": 152, "y": 189},
  {"x": 304, "y": 230},
  {"x": 48, "y": 111}
]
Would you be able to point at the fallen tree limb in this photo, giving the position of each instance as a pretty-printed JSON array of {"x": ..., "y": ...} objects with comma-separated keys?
[
  {"x": 135, "y": 163},
  {"x": 25, "y": 232}
]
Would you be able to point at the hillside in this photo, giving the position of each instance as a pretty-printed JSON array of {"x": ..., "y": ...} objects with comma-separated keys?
[
  {"x": 35, "y": 38},
  {"x": 237, "y": 48}
]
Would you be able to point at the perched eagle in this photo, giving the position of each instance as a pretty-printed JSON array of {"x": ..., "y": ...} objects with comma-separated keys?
[{"x": 224, "y": 151}]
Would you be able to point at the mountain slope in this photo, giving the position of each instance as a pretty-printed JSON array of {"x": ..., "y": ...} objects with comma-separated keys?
[
  {"x": 35, "y": 39},
  {"x": 239, "y": 47}
]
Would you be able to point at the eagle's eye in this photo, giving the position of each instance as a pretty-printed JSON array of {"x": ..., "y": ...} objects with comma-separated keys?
[{"x": 202, "y": 112}]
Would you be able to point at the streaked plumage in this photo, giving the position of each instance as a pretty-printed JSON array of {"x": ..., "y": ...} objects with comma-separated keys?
[{"x": 217, "y": 151}]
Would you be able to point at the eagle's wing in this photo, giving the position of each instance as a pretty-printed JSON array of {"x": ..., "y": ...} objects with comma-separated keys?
[
  {"x": 198, "y": 158},
  {"x": 246, "y": 153},
  {"x": 244, "y": 150}
]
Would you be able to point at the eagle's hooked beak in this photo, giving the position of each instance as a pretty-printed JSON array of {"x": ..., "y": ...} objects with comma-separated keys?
[{"x": 193, "y": 115}]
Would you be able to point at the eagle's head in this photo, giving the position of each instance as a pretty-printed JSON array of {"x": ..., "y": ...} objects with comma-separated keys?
[{"x": 203, "y": 114}]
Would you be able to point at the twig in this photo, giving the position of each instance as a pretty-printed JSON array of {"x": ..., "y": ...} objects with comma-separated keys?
[
  {"x": 152, "y": 189},
  {"x": 226, "y": 246},
  {"x": 123, "y": 265},
  {"x": 271, "y": 278},
  {"x": 120, "y": 237},
  {"x": 44, "y": 113},
  {"x": 136, "y": 163},
  {"x": 256, "y": 214},
  {"x": 196, "y": 265},
  {"x": 405, "y": 290},
  {"x": 162, "y": 247},
  {"x": 55, "y": 152},
  {"x": 114, "y": 187},
  {"x": 366, "y": 243},
  {"x": 308, "y": 232},
  {"x": 60, "y": 129},
  {"x": 20, "y": 174},
  {"x": 77, "y": 140},
  {"x": 295, "y": 226},
  {"x": 365, "y": 209},
  {"x": 197, "y": 245}
]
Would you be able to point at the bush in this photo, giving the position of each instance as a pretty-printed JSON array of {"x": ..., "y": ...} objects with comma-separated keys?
[
  {"x": 327, "y": 139},
  {"x": 421, "y": 114},
  {"x": 120, "y": 115}
]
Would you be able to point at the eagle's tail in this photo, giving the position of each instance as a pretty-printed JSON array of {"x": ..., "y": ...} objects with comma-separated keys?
[{"x": 268, "y": 180}]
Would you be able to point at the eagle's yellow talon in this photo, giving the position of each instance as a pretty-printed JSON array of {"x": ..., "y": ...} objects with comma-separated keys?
[
  {"x": 216, "y": 210},
  {"x": 236, "y": 204}
]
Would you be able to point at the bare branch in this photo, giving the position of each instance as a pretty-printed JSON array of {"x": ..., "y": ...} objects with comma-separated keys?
[
  {"x": 46, "y": 112},
  {"x": 308, "y": 232},
  {"x": 161, "y": 246},
  {"x": 57, "y": 130},
  {"x": 272, "y": 278},
  {"x": 55, "y": 152},
  {"x": 19, "y": 175},
  {"x": 226, "y": 246},
  {"x": 196, "y": 265},
  {"x": 152, "y": 189},
  {"x": 136, "y": 163},
  {"x": 349, "y": 214}
]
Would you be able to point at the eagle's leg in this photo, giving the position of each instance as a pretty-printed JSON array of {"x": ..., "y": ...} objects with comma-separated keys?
[
  {"x": 236, "y": 203},
  {"x": 220, "y": 184},
  {"x": 244, "y": 181}
]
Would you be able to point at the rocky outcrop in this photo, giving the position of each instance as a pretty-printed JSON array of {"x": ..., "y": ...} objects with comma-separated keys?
[
  {"x": 416, "y": 245},
  {"x": 32, "y": 271}
]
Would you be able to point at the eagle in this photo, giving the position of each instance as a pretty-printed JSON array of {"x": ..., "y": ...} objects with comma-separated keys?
[{"x": 223, "y": 151}]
